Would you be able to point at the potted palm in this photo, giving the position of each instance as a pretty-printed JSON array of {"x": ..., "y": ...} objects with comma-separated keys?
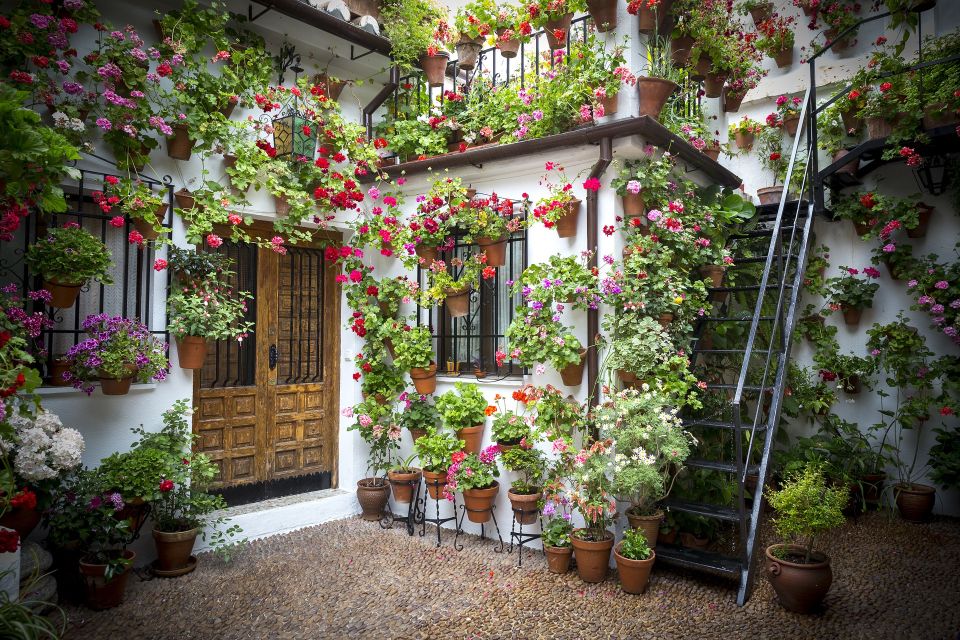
[
  {"x": 851, "y": 293},
  {"x": 634, "y": 559},
  {"x": 525, "y": 492},
  {"x": 473, "y": 474},
  {"x": 419, "y": 415},
  {"x": 464, "y": 410},
  {"x": 66, "y": 258},
  {"x": 435, "y": 451},
  {"x": 138, "y": 200},
  {"x": 117, "y": 352},
  {"x": 591, "y": 481},
  {"x": 413, "y": 347},
  {"x": 806, "y": 506},
  {"x": 201, "y": 312}
]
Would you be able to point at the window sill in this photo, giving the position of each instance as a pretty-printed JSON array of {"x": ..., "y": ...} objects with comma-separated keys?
[
  {"x": 62, "y": 391},
  {"x": 506, "y": 381}
]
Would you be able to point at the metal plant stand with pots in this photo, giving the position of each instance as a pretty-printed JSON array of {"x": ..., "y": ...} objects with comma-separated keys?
[
  {"x": 497, "y": 548},
  {"x": 420, "y": 511},
  {"x": 413, "y": 509},
  {"x": 519, "y": 535}
]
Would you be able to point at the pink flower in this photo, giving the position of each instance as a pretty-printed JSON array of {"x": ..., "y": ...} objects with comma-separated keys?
[
  {"x": 159, "y": 264},
  {"x": 214, "y": 241},
  {"x": 356, "y": 276},
  {"x": 942, "y": 284},
  {"x": 873, "y": 272},
  {"x": 591, "y": 184},
  {"x": 116, "y": 221},
  {"x": 135, "y": 237},
  {"x": 889, "y": 248}
]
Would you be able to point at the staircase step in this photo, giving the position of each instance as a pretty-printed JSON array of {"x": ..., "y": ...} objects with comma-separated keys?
[
  {"x": 760, "y": 259},
  {"x": 697, "y": 559},
  {"x": 708, "y": 352},
  {"x": 730, "y": 319},
  {"x": 771, "y": 286},
  {"x": 769, "y": 211},
  {"x": 706, "y": 510},
  {"x": 716, "y": 465},
  {"x": 762, "y": 233},
  {"x": 733, "y": 386}
]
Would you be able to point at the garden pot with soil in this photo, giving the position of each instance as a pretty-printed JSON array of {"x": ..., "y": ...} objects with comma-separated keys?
[
  {"x": 665, "y": 320},
  {"x": 472, "y": 438},
  {"x": 558, "y": 558},
  {"x": 524, "y": 506},
  {"x": 653, "y": 93},
  {"x": 191, "y": 351},
  {"x": 508, "y": 48},
  {"x": 800, "y": 586},
  {"x": 479, "y": 502},
  {"x": 851, "y": 315},
  {"x": 102, "y": 593},
  {"x": 634, "y": 574},
  {"x": 915, "y": 501},
  {"x": 467, "y": 52},
  {"x": 174, "y": 550},
  {"x": 179, "y": 145},
  {"x": 424, "y": 379},
  {"x": 650, "y": 525},
  {"x": 184, "y": 198},
  {"x": 572, "y": 374},
  {"x": 403, "y": 483},
  {"x": 593, "y": 557},
  {"x": 373, "y": 493},
  {"x": 849, "y": 168}
]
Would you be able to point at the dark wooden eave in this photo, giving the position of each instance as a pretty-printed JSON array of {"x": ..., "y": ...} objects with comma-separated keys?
[
  {"x": 303, "y": 12},
  {"x": 644, "y": 126}
]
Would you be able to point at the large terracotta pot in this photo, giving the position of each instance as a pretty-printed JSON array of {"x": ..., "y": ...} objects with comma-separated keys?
[
  {"x": 633, "y": 205},
  {"x": 770, "y": 195},
  {"x": 799, "y": 587},
  {"x": 572, "y": 374},
  {"x": 100, "y": 592},
  {"x": 472, "y": 438},
  {"x": 21, "y": 520},
  {"x": 653, "y": 94},
  {"x": 915, "y": 501},
  {"x": 634, "y": 574},
  {"x": 680, "y": 50},
  {"x": 147, "y": 225},
  {"x": 191, "y": 351},
  {"x": 184, "y": 198},
  {"x": 604, "y": 14},
  {"x": 553, "y": 28},
  {"x": 923, "y": 221},
  {"x": 878, "y": 128},
  {"x": 567, "y": 224},
  {"x": 424, "y": 379},
  {"x": 650, "y": 525},
  {"x": 508, "y": 48},
  {"x": 851, "y": 315},
  {"x": 373, "y": 493},
  {"x": 435, "y": 68},
  {"x": 791, "y": 124},
  {"x": 649, "y": 19},
  {"x": 435, "y": 483},
  {"x": 496, "y": 250},
  {"x": 784, "y": 58},
  {"x": 180, "y": 145},
  {"x": 480, "y": 502},
  {"x": 63, "y": 296},
  {"x": 467, "y": 52},
  {"x": 593, "y": 558},
  {"x": 458, "y": 302},
  {"x": 174, "y": 550},
  {"x": 558, "y": 558},
  {"x": 524, "y": 506},
  {"x": 403, "y": 483},
  {"x": 938, "y": 115}
]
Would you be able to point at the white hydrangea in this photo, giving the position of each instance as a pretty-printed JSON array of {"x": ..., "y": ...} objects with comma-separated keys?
[{"x": 43, "y": 448}]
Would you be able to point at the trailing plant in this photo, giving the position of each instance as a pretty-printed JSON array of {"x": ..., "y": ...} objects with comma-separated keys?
[
  {"x": 409, "y": 27},
  {"x": 212, "y": 311}
]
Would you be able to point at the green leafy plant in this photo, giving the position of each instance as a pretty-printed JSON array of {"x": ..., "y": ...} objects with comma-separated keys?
[
  {"x": 214, "y": 312},
  {"x": 435, "y": 450},
  {"x": 557, "y": 530},
  {"x": 188, "y": 265},
  {"x": 419, "y": 413},
  {"x": 565, "y": 280},
  {"x": 70, "y": 255},
  {"x": 647, "y": 175},
  {"x": 847, "y": 290},
  {"x": 945, "y": 458},
  {"x": 806, "y": 506},
  {"x": 530, "y": 463},
  {"x": 534, "y": 336},
  {"x": 409, "y": 27},
  {"x": 461, "y": 407},
  {"x": 413, "y": 347},
  {"x": 634, "y": 546}
]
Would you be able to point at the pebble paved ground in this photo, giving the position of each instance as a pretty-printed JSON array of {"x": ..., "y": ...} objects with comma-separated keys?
[{"x": 350, "y": 579}]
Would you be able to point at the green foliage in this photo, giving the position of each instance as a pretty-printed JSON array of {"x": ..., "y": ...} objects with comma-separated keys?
[
  {"x": 535, "y": 337},
  {"x": 851, "y": 291},
  {"x": 420, "y": 413},
  {"x": 408, "y": 25},
  {"x": 559, "y": 280},
  {"x": 647, "y": 175},
  {"x": 945, "y": 458},
  {"x": 473, "y": 470},
  {"x": 413, "y": 347},
  {"x": 435, "y": 449},
  {"x": 70, "y": 255},
  {"x": 556, "y": 533},
  {"x": 510, "y": 428},
  {"x": 462, "y": 407},
  {"x": 807, "y": 507},
  {"x": 208, "y": 311},
  {"x": 634, "y": 546},
  {"x": 23, "y": 620},
  {"x": 188, "y": 265},
  {"x": 530, "y": 463}
]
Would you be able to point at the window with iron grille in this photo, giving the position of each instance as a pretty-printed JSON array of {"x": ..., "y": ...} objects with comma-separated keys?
[
  {"x": 463, "y": 344},
  {"x": 132, "y": 293}
]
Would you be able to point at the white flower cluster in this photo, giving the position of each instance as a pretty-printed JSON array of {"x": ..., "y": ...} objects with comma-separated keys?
[
  {"x": 63, "y": 121},
  {"x": 43, "y": 448}
]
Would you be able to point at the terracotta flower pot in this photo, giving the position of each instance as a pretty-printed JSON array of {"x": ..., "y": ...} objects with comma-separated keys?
[
  {"x": 524, "y": 506},
  {"x": 593, "y": 558},
  {"x": 850, "y": 120},
  {"x": 852, "y": 385},
  {"x": 653, "y": 94},
  {"x": 134, "y": 511},
  {"x": 851, "y": 315},
  {"x": 428, "y": 253},
  {"x": 332, "y": 88},
  {"x": 424, "y": 379},
  {"x": 180, "y": 145},
  {"x": 458, "y": 302},
  {"x": 791, "y": 124},
  {"x": 21, "y": 520},
  {"x": 63, "y": 296},
  {"x": 566, "y": 225},
  {"x": 634, "y": 574},
  {"x": 496, "y": 250},
  {"x": 670, "y": 536},
  {"x": 509, "y": 47},
  {"x": 761, "y": 12},
  {"x": 403, "y": 483},
  {"x": 572, "y": 374},
  {"x": 861, "y": 228},
  {"x": 713, "y": 84},
  {"x": 100, "y": 592},
  {"x": 557, "y": 31},
  {"x": 665, "y": 319},
  {"x": 784, "y": 58},
  {"x": 227, "y": 109},
  {"x": 184, "y": 198},
  {"x": 467, "y": 53},
  {"x": 650, "y": 19},
  {"x": 923, "y": 221},
  {"x": 878, "y": 128},
  {"x": 281, "y": 205},
  {"x": 744, "y": 140},
  {"x": 113, "y": 386},
  {"x": 372, "y": 493},
  {"x": 627, "y": 378},
  {"x": 915, "y": 501},
  {"x": 604, "y": 14},
  {"x": 799, "y": 587},
  {"x": 714, "y": 273},
  {"x": 939, "y": 115},
  {"x": 731, "y": 100},
  {"x": 434, "y": 482},
  {"x": 480, "y": 502},
  {"x": 633, "y": 205},
  {"x": 712, "y": 152},
  {"x": 472, "y": 438},
  {"x": 147, "y": 225},
  {"x": 650, "y": 525},
  {"x": 770, "y": 195},
  {"x": 558, "y": 558},
  {"x": 692, "y": 541},
  {"x": 191, "y": 351},
  {"x": 702, "y": 67},
  {"x": 416, "y": 433},
  {"x": 680, "y": 50},
  {"x": 435, "y": 68},
  {"x": 174, "y": 549},
  {"x": 611, "y": 103},
  {"x": 838, "y": 45}
]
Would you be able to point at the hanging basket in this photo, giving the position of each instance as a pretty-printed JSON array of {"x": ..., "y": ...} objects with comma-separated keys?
[
  {"x": 784, "y": 58},
  {"x": 791, "y": 124},
  {"x": 744, "y": 140},
  {"x": 654, "y": 93},
  {"x": 495, "y": 250},
  {"x": 557, "y": 31},
  {"x": 458, "y": 302},
  {"x": 761, "y": 12},
  {"x": 467, "y": 53},
  {"x": 62, "y": 295},
  {"x": 604, "y": 14},
  {"x": 566, "y": 226},
  {"x": 428, "y": 253},
  {"x": 731, "y": 100},
  {"x": 435, "y": 68},
  {"x": 184, "y": 198},
  {"x": 702, "y": 68}
]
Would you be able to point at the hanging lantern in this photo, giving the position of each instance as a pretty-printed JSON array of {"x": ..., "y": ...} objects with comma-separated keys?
[
  {"x": 293, "y": 134},
  {"x": 932, "y": 175}
]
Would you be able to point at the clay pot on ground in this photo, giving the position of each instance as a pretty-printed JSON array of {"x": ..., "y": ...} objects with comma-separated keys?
[
  {"x": 424, "y": 378},
  {"x": 62, "y": 295},
  {"x": 770, "y": 195},
  {"x": 429, "y": 254},
  {"x": 791, "y": 124},
  {"x": 508, "y": 48},
  {"x": 692, "y": 541},
  {"x": 479, "y": 502},
  {"x": 403, "y": 483},
  {"x": 604, "y": 14},
  {"x": 878, "y": 128},
  {"x": 915, "y": 501},
  {"x": 435, "y": 68},
  {"x": 434, "y": 482},
  {"x": 458, "y": 302},
  {"x": 472, "y": 438},
  {"x": 799, "y": 586},
  {"x": 524, "y": 506},
  {"x": 180, "y": 145},
  {"x": 372, "y": 493},
  {"x": 650, "y": 525},
  {"x": 553, "y": 28},
  {"x": 566, "y": 225},
  {"x": 191, "y": 351},
  {"x": 634, "y": 574},
  {"x": 572, "y": 374},
  {"x": 174, "y": 550},
  {"x": 851, "y": 315},
  {"x": 669, "y": 536},
  {"x": 653, "y": 93},
  {"x": 731, "y": 100},
  {"x": 467, "y": 52},
  {"x": 784, "y": 58},
  {"x": 100, "y": 592},
  {"x": 147, "y": 225},
  {"x": 633, "y": 205},
  {"x": 744, "y": 140},
  {"x": 496, "y": 250},
  {"x": 593, "y": 558},
  {"x": 713, "y": 84},
  {"x": 923, "y": 221},
  {"x": 680, "y": 50},
  {"x": 558, "y": 558}
]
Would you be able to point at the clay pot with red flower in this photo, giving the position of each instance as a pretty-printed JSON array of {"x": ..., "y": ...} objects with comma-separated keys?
[{"x": 852, "y": 292}]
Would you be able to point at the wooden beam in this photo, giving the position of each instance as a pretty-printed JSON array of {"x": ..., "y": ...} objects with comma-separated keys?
[{"x": 303, "y": 12}]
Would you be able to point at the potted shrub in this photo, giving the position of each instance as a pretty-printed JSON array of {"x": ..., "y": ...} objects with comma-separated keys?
[
  {"x": 592, "y": 498},
  {"x": 644, "y": 421},
  {"x": 851, "y": 293},
  {"x": 414, "y": 351},
  {"x": 770, "y": 148},
  {"x": 643, "y": 181},
  {"x": 66, "y": 258},
  {"x": 435, "y": 451},
  {"x": 536, "y": 337},
  {"x": 806, "y": 506},
  {"x": 379, "y": 429},
  {"x": 190, "y": 267},
  {"x": 419, "y": 415},
  {"x": 655, "y": 88},
  {"x": 403, "y": 477},
  {"x": 559, "y": 209},
  {"x": 525, "y": 492},
  {"x": 117, "y": 352},
  {"x": 556, "y": 538},
  {"x": 776, "y": 39},
  {"x": 409, "y": 25},
  {"x": 464, "y": 410},
  {"x": 146, "y": 208},
  {"x": 203, "y": 312},
  {"x": 634, "y": 559},
  {"x": 381, "y": 382},
  {"x": 744, "y": 132},
  {"x": 473, "y": 474}
]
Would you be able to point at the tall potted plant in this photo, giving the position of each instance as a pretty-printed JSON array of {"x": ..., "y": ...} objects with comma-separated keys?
[
  {"x": 117, "y": 352},
  {"x": 379, "y": 429},
  {"x": 200, "y": 312},
  {"x": 526, "y": 491},
  {"x": 435, "y": 451},
  {"x": 66, "y": 258},
  {"x": 556, "y": 537},
  {"x": 464, "y": 410},
  {"x": 770, "y": 148},
  {"x": 473, "y": 474},
  {"x": 591, "y": 496}
]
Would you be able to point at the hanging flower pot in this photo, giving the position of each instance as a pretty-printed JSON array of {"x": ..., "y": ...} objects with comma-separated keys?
[
  {"x": 850, "y": 120},
  {"x": 713, "y": 151},
  {"x": 495, "y": 249},
  {"x": 111, "y": 386},
  {"x": 508, "y": 47},
  {"x": 923, "y": 221},
  {"x": 665, "y": 319},
  {"x": 435, "y": 67},
  {"x": 479, "y": 502},
  {"x": 633, "y": 205},
  {"x": 784, "y": 57},
  {"x": 424, "y": 379},
  {"x": 428, "y": 253},
  {"x": 227, "y": 109},
  {"x": 593, "y": 557},
  {"x": 147, "y": 224},
  {"x": 611, "y": 103},
  {"x": 332, "y": 88},
  {"x": 458, "y": 301},
  {"x": 761, "y": 12},
  {"x": 572, "y": 374},
  {"x": 282, "y": 205},
  {"x": 702, "y": 68},
  {"x": 372, "y": 493},
  {"x": 800, "y": 587},
  {"x": 435, "y": 483},
  {"x": 102, "y": 593},
  {"x": 714, "y": 273},
  {"x": 851, "y": 167},
  {"x": 467, "y": 52},
  {"x": 634, "y": 574},
  {"x": 62, "y": 296},
  {"x": 939, "y": 115},
  {"x": 770, "y": 195},
  {"x": 914, "y": 501},
  {"x": 416, "y": 433},
  {"x": 654, "y": 93},
  {"x": 191, "y": 351},
  {"x": 566, "y": 225},
  {"x": 558, "y": 558},
  {"x": 472, "y": 438},
  {"x": 650, "y": 525},
  {"x": 731, "y": 100},
  {"x": 713, "y": 84},
  {"x": 851, "y": 386},
  {"x": 604, "y": 14},
  {"x": 402, "y": 483},
  {"x": 174, "y": 552},
  {"x": 851, "y": 315},
  {"x": 524, "y": 506},
  {"x": 557, "y": 31},
  {"x": 838, "y": 45},
  {"x": 180, "y": 145},
  {"x": 680, "y": 50},
  {"x": 791, "y": 124},
  {"x": 743, "y": 140},
  {"x": 184, "y": 198}
]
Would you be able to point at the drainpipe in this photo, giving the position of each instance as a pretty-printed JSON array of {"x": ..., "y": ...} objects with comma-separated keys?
[
  {"x": 388, "y": 87},
  {"x": 593, "y": 315}
]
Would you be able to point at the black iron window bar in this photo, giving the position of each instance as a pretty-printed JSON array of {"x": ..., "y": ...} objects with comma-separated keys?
[{"x": 130, "y": 296}]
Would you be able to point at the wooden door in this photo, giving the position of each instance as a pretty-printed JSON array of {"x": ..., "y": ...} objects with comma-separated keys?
[{"x": 266, "y": 411}]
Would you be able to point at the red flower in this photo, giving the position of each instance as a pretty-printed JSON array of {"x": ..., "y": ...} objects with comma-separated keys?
[
  {"x": 214, "y": 241},
  {"x": 886, "y": 86},
  {"x": 135, "y": 237},
  {"x": 117, "y": 221},
  {"x": 488, "y": 272},
  {"x": 9, "y": 539},
  {"x": 828, "y": 376},
  {"x": 166, "y": 485},
  {"x": 867, "y": 201},
  {"x": 372, "y": 290},
  {"x": 159, "y": 264},
  {"x": 111, "y": 180},
  {"x": 775, "y": 156},
  {"x": 946, "y": 411},
  {"x": 164, "y": 70},
  {"x": 26, "y": 499},
  {"x": 591, "y": 184},
  {"x": 356, "y": 376}
]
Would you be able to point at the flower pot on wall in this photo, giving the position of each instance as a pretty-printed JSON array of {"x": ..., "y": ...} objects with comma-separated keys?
[
  {"x": 572, "y": 374},
  {"x": 57, "y": 368},
  {"x": 435, "y": 68},
  {"x": 731, "y": 100},
  {"x": 593, "y": 558},
  {"x": 566, "y": 225},
  {"x": 839, "y": 46},
  {"x": 611, "y": 103},
  {"x": 111, "y": 386},
  {"x": 851, "y": 167},
  {"x": 761, "y": 12},
  {"x": 557, "y": 31},
  {"x": 713, "y": 84},
  {"x": 851, "y": 315},
  {"x": 403, "y": 483},
  {"x": 428, "y": 253},
  {"x": 191, "y": 351},
  {"x": 633, "y": 205},
  {"x": 770, "y": 195},
  {"x": 650, "y": 525},
  {"x": 923, "y": 221},
  {"x": 62, "y": 295},
  {"x": 938, "y": 115},
  {"x": 372, "y": 493},
  {"x": 100, "y": 592},
  {"x": 714, "y": 273},
  {"x": 424, "y": 379},
  {"x": 524, "y": 506},
  {"x": 634, "y": 574},
  {"x": 702, "y": 67},
  {"x": 665, "y": 319},
  {"x": 558, "y": 558},
  {"x": 458, "y": 302},
  {"x": 180, "y": 145},
  {"x": 712, "y": 152},
  {"x": 184, "y": 198},
  {"x": 784, "y": 58},
  {"x": 467, "y": 52},
  {"x": 508, "y": 48},
  {"x": 800, "y": 587},
  {"x": 650, "y": 19},
  {"x": 654, "y": 93},
  {"x": 147, "y": 225},
  {"x": 604, "y": 14},
  {"x": 791, "y": 124},
  {"x": 332, "y": 88},
  {"x": 495, "y": 249},
  {"x": 174, "y": 551},
  {"x": 479, "y": 502},
  {"x": 744, "y": 140},
  {"x": 915, "y": 501},
  {"x": 281, "y": 205},
  {"x": 472, "y": 438},
  {"x": 680, "y": 50}
]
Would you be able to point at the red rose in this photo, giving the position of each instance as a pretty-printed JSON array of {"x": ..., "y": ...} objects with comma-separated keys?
[{"x": 166, "y": 485}]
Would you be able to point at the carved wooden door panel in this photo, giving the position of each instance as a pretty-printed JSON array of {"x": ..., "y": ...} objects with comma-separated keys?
[{"x": 266, "y": 411}]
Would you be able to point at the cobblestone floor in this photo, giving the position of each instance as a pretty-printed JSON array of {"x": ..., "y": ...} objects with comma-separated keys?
[{"x": 351, "y": 579}]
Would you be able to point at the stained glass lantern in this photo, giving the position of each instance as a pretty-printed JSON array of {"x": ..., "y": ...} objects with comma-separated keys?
[{"x": 293, "y": 135}]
